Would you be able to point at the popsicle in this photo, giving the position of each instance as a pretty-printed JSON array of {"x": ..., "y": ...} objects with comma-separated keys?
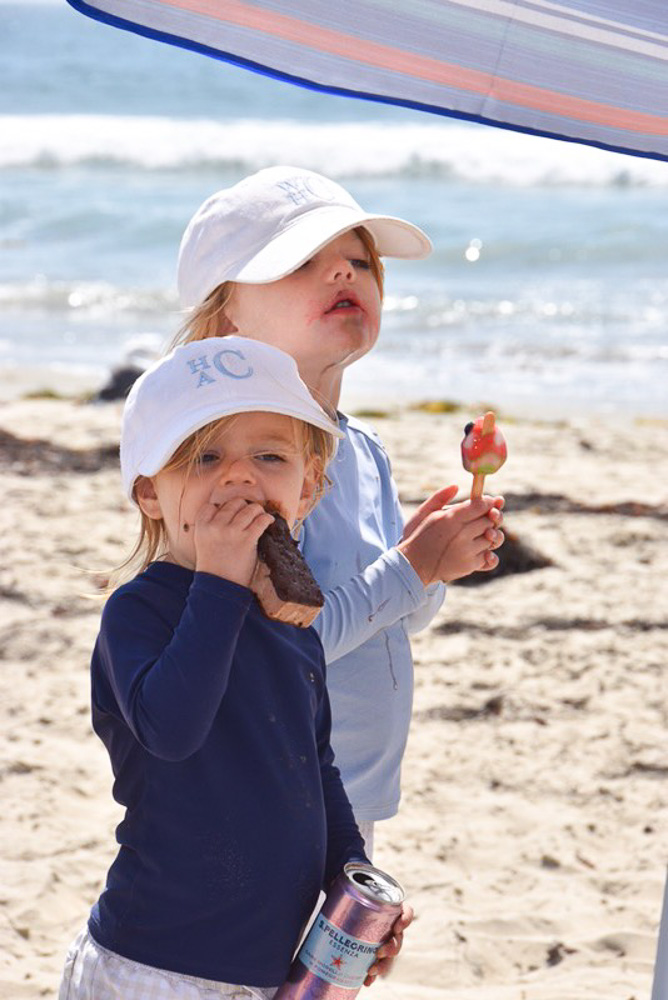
[{"x": 483, "y": 450}]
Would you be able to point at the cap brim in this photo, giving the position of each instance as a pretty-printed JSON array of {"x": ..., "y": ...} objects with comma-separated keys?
[
  {"x": 310, "y": 232},
  {"x": 155, "y": 459}
]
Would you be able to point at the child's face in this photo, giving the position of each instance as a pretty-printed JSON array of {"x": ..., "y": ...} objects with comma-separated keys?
[
  {"x": 327, "y": 312},
  {"x": 259, "y": 457}
]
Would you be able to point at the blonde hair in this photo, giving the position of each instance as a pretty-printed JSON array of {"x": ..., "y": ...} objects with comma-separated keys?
[
  {"x": 209, "y": 319},
  {"x": 318, "y": 449}
]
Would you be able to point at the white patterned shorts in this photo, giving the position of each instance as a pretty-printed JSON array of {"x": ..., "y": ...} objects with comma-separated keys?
[
  {"x": 93, "y": 973},
  {"x": 366, "y": 829}
]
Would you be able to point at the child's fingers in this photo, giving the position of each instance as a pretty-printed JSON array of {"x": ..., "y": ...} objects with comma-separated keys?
[
  {"x": 250, "y": 523},
  {"x": 465, "y": 513},
  {"x": 249, "y": 514},
  {"x": 379, "y": 968},
  {"x": 437, "y": 501},
  {"x": 236, "y": 513},
  {"x": 384, "y": 958},
  {"x": 404, "y": 920},
  {"x": 260, "y": 523},
  {"x": 391, "y": 948},
  {"x": 478, "y": 548},
  {"x": 490, "y": 561},
  {"x": 495, "y": 538},
  {"x": 479, "y": 533},
  {"x": 224, "y": 512},
  {"x": 484, "y": 544},
  {"x": 482, "y": 507},
  {"x": 498, "y": 502},
  {"x": 206, "y": 513},
  {"x": 495, "y": 516}
]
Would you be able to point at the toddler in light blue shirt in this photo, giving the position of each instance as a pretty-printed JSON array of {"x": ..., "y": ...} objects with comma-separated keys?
[{"x": 288, "y": 257}]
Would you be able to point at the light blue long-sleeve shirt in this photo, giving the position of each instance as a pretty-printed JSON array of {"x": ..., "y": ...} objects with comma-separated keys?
[{"x": 373, "y": 600}]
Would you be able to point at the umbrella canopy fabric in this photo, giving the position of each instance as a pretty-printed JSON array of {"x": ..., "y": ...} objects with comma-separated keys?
[{"x": 591, "y": 71}]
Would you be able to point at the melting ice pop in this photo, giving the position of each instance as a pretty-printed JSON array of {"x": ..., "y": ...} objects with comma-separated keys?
[{"x": 483, "y": 450}]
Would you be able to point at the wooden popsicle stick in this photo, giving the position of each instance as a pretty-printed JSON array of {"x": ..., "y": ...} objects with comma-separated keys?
[
  {"x": 488, "y": 423},
  {"x": 478, "y": 483}
]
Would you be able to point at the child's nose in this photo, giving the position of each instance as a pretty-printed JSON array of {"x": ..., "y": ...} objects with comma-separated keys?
[
  {"x": 340, "y": 268},
  {"x": 239, "y": 471}
]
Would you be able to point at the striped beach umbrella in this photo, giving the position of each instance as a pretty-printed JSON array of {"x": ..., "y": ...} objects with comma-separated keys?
[{"x": 590, "y": 71}]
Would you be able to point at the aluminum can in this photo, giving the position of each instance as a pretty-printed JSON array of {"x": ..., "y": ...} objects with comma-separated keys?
[{"x": 355, "y": 919}]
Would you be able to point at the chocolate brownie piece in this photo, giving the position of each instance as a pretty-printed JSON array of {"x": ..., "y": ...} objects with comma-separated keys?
[{"x": 282, "y": 581}]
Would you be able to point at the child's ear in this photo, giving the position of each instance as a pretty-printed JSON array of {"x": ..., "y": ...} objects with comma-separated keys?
[
  {"x": 225, "y": 326},
  {"x": 147, "y": 498},
  {"x": 309, "y": 494}
]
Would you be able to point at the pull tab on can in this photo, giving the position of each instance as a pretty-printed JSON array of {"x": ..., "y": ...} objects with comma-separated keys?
[{"x": 355, "y": 919}]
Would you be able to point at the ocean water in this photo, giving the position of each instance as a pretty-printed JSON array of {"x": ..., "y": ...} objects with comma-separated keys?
[{"x": 547, "y": 292}]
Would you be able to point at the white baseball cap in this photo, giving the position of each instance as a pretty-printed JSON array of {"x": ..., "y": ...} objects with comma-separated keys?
[
  {"x": 268, "y": 224},
  {"x": 199, "y": 382}
]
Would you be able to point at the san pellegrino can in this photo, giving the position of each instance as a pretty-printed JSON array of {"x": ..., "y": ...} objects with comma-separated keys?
[{"x": 355, "y": 919}]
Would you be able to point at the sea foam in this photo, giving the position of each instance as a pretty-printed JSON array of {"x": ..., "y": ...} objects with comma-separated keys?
[{"x": 341, "y": 149}]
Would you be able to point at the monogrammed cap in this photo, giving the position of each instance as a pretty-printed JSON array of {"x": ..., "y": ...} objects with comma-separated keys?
[
  {"x": 200, "y": 382},
  {"x": 268, "y": 224}
]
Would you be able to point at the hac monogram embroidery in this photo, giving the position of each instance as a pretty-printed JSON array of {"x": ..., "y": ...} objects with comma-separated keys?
[
  {"x": 223, "y": 362},
  {"x": 302, "y": 191}
]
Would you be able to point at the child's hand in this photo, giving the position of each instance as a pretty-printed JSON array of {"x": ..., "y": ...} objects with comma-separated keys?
[
  {"x": 449, "y": 543},
  {"x": 436, "y": 501},
  {"x": 226, "y": 537},
  {"x": 390, "y": 949}
]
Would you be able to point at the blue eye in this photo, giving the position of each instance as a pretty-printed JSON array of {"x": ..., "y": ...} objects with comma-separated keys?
[
  {"x": 208, "y": 458},
  {"x": 270, "y": 457},
  {"x": 362, "y": 264}
]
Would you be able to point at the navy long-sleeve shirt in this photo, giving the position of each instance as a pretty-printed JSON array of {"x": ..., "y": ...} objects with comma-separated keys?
[{"x": 217, "y": 724}]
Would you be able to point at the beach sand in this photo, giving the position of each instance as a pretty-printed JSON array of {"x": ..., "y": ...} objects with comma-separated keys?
[{"x": 533, "y": 832}]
